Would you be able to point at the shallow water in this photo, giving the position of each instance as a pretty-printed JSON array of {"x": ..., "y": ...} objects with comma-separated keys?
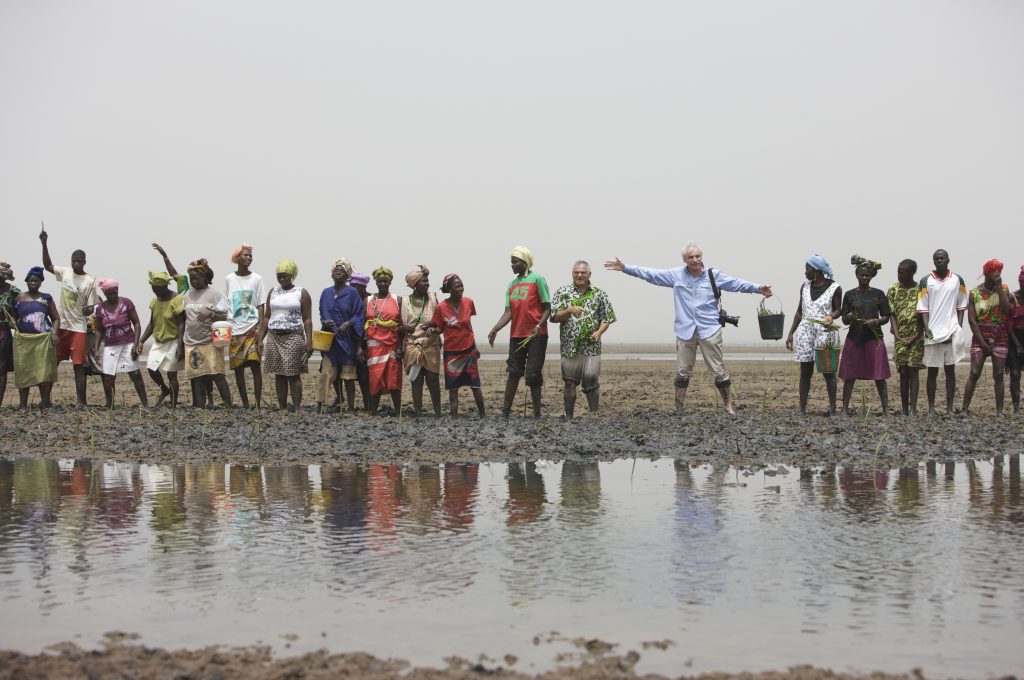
[{"x": 742, "y": 571}]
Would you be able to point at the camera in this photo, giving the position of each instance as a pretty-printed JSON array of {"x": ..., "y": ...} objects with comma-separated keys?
[{"x": 724, "y": 318}]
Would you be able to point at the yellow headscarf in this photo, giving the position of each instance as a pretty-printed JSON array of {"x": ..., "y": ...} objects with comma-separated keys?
[
  {"x": 159, "y": 278},
  {"x": 523, "y": 253},
  {"x": 287, "y": 267},
  {"x": 382, "y": 271},
  {"x": 416, "y": 275}
]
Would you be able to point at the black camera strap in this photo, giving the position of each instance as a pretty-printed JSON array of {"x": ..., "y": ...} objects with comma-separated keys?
[{"x": 714, "y": 288}]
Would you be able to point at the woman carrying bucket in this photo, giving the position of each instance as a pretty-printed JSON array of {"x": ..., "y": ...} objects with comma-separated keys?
[
  {"x": 116, "y": 341},
  {"x": 865, "y": 310},
  {"x": 820, "y": 300},
  {"x": 342, "y": 320},
  {"x": 288, "y": 332},
  {"x": 204, "y": 360}
]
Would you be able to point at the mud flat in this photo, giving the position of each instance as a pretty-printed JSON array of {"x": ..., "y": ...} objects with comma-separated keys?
[
  {"x": 636, "y": 420},
  {"x": 120, "y": 660}
]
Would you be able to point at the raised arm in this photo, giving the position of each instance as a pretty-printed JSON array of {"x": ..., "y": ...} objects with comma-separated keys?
[
  {"x": 167, "y": 261},
  {"x": 47, "y": 262}
]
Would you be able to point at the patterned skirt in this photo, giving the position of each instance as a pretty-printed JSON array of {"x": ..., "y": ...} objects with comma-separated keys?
[
  {"x": 996, "y": 336},
  {"x": 461, "y": 369},
  {"x": 285, "y": 352}
]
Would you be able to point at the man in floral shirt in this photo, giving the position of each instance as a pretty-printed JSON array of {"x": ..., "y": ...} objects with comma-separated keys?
[{"x": 583, "y": 313}]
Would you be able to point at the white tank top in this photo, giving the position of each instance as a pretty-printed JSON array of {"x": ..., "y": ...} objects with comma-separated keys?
[{"x": 285, "y": 309}]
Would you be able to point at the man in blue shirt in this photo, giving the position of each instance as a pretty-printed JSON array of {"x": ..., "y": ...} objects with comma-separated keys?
[{"x": 697, "y": 321}]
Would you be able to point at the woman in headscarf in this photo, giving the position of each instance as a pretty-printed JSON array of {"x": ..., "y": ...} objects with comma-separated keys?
[
  {"x": 288, "y": 331},
  {"x": 453, "y": 318},
  {"x": 204, "y": 363},
  {"x": 8, "y": 292},
  {"x": 820, "y": 301},
  {"x": 383, "y": 342},
  {"x": 1015, "y": 331},
  {"x": 422, "y": 351},
  {"x": 865, "y": 310},
  {"x": 35, "y": 340},
  {"x": 342, "y": 312},
  {"x": 988, "y": 309},
  {"x": 116, "y": 340},
  {"x": 167, "y": 327}
]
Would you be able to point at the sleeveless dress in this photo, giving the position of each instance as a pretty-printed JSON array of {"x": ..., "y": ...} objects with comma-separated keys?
[{"x": 809, "y": 335}]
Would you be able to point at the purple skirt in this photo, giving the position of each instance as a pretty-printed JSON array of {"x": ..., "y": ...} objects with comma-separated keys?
[{"x": 869, "y": 361}]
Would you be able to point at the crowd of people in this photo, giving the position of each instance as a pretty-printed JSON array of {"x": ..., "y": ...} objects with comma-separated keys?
[{"x": 377, "y": 340}]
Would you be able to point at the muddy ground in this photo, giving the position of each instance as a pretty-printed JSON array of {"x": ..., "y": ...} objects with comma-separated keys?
[
  {"x": 636, "y": 420},
  {"x": 121, "y": 659}
]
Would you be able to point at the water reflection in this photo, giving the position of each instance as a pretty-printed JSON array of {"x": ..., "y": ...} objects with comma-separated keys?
[{"x": 921, "y": 558}]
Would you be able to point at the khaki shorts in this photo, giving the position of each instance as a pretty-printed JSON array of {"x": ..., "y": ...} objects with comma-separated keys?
[{"x": 582, "y": 370}]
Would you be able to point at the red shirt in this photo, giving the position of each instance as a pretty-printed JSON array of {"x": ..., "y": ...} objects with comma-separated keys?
[{"x": 456, "y": 325}]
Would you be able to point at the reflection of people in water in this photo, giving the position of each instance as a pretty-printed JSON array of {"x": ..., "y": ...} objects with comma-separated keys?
[
  {"x": 345, "y": 488},
  {"x": 581, "y": 491},
  {"x": 526, "y": 497},
  {"x": 860, "y": 487},
  {"x": 421, "y": 497},
  {"x": 699, "y": 549},
  {"x": 383, "y": 484},
  {"x": 459, "y": 494}
]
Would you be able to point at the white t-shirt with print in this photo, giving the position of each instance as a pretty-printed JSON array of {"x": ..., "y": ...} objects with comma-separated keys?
[
  {"x": 76, "y": 291},
  {"x": 245, "y": 296}
]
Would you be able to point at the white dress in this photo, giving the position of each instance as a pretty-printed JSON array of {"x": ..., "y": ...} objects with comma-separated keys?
[{"x": 810, "y": 335}]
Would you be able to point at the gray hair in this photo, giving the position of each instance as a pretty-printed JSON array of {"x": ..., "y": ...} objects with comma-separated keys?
[
  {"x": 581, "y": 262},
  {"x": 691, "y": 245}
]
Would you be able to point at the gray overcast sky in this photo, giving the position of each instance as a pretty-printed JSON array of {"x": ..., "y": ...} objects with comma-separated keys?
[{"x": 445, "y": 133}]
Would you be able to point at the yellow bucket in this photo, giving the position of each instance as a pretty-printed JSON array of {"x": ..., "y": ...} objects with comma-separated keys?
[{"x": 322, "y": 340}]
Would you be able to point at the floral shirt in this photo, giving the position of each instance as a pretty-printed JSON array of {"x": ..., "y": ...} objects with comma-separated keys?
[
  {"x": 986, "y": 306},
  {"x": 575, "y": 331},
  {"x": 7, "y": 305}
]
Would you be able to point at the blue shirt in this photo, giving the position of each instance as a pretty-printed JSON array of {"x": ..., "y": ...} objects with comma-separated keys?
[
  {"x": 340, "y": 307},
  {"x": 696, "y": 308}
]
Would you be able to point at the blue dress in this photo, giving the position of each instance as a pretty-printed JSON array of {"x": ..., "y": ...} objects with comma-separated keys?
[{"x": 340, "y": 307}]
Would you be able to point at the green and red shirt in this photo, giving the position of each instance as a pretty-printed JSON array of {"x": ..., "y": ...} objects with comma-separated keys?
[{"x": 526, "y": 297}]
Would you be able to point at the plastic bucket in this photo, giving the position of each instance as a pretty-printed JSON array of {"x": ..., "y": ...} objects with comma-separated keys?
[
  {"x": 771, "y": 325},
  {"x": 220, "y": 333},
  {"x": 826, "y": 359},
  {"x": 322, "y": 340}
]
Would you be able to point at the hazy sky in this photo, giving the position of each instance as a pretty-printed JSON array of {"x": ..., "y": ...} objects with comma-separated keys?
[{"x": 445, "y": 133}]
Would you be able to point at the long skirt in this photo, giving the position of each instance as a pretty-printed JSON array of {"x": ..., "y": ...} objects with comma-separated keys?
[
  {"x": 35, "y": 358},
  {"x": 383, "y": 365},
  {"x": 461, "y": 369},
  {"x": 869, "y": 361}
]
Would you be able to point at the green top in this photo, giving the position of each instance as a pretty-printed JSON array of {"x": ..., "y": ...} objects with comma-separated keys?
[{"x": 165, "y": 313}]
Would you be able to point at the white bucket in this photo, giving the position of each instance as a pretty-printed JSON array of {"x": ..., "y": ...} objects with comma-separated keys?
[{"x": 220, "y": 333}]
